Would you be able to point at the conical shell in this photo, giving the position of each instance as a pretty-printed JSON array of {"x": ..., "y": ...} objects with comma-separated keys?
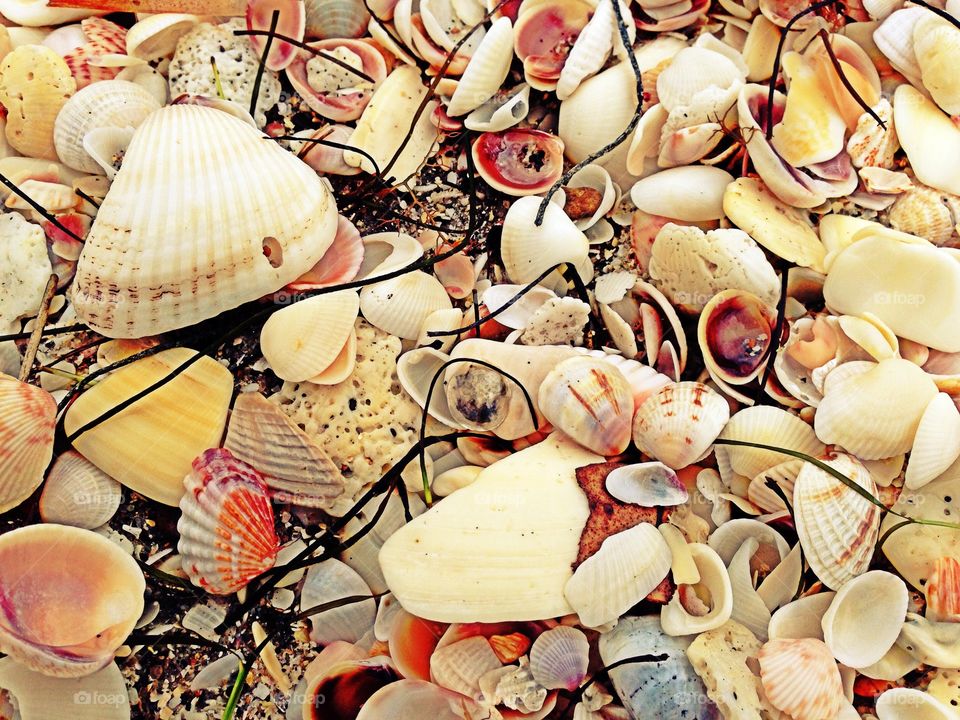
[
  {"x": 876, "y": 600},
  {"x": 292, "y": 464},
  {"x": 150, "y": 446},
  {"x": 28, "y": 416},
  {"x": 528, "y": 250},
  {"x": 244, "y": 198},
  {"x": 801, "y": 678},
  {"x": 38, "y": 697},
  {"x": 647, "y": 484},
  {"x": 226, "y": 524},
  {"x": 678, "y": 423},
  {"x": 400, "y": 305},
  {"x": 714, "y": 586},
  {"x": 837, "y": 527},
  {"x": 78, "y": 493},
  {"x": 591, "y": 402},
  {"x": 111, "y": 103},
  {"x": 559, "y": 658},
  {"x": 626, "y": 568},
  {"x": 332, "y": 580},
  {"x": 937, "y": 443},
  {"x": 486, "y": 71},
  {"x": 767, "y": 426},
  {"x": 71, "y": 597}
]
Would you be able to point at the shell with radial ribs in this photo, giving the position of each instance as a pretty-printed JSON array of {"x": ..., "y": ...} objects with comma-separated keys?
[
  {"x": 79, "y": 493},
  {"x": 559, "y": 658},
  {"x": 801, "y": 678},
  {"x": 28, "y": 417},
  {"x": 226, "y": 525},
  {"x": 280, "y": 219}
]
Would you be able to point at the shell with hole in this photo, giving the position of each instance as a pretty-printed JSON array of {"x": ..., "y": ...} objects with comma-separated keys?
[
  {"x": 801, "y": 678},
  {"x": 28, "y": 418},
  {"x": 78, "y": 493},
  {"x": 704, "y": 605},
  {"x": 71, "y": 598},
  {"x": 529, "y": 249},
  {"x": 876, "y": 600},
  {"x": 267, "y": 242},
  {"x": 226, "y": 528},
  {"x": 519, "y": 161},
  {"x": 837, "y": 527},
  {"x": 678, "y": 424}
]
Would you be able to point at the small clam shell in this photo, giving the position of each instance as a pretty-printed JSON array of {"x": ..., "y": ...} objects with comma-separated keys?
[
  {"x": 559, "y": 658},
  {"x": 106, "y": 147},
  {"x": 291, "y": 22},
  {"x": 801, "y": 678},
  {"x": 304, "y": 339},
  {"x": 519, "y": 162},
  {"x": 691, "y": 194},
  {"x": 876, "y": 600},
  {"x": 894, "y": 38},
  {"x": 226, "y": 528},
  {"x": 591, "y": 401},
  {"x": 937, "y": 443},
  {"x": 528, "y": 249},
  {"x": 27, "y": 422},
  {"x": 714, "y": 585},
  {"x": 78, "y": 493},
  {"x": 801, "y": 618},
  {"x": 626, "y": 568},
  {"x": 837, "y": 527},
  {"x": 332, "y": 580},
  {"x": 502, "y": 111},
  {"x": 648, "y": 484},
  {"x": 400, "y": 305},
  {"x": 678, "y": 424},
  {"x": 486, "y": 71},
  {"x": 156, "y": 35},
  {"x": 735, "y": 331},
  {"x": 927, "y": 134},
  {"x": 339, "y": 264},
  {"x": 902, "y": 703},
  {"x": 729, "y": 538},
  {"x": 336, "y": 19},
  {"x": 542, "y": 29}
]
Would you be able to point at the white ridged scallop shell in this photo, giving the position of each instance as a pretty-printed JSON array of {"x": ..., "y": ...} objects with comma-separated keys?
[
  {"x": 692, "y": 193},
  {"x": 78, "y": 493},
  {"x": 486, "y": 71},
  {"x": 28, "y": 416},
  {"x": 678, "y": 424},
  {"x": 213, "y": 220},
  {"x": 877, "y": 601},
  {"x": 335, "y": 19},
  {"x": 837, "y": 527},
  {"x": 801, "y": 678},
  {"x": 304, "y": 339},
  {"x": 529, "y": 249},
  {"x": 416, "y": 370},
  {"x": 328, "y": 581},
  {"x": 559, "y": 658},
  {"x": 459, "y": 665},
  {"x": 591, "y": 401},
  {"x": 937, "y": 442},
  {"x": 294, "y": 466},
  {"x": 768, "y": 426},
  {"x": 110, "y": 103},
  {"x": 226, "y": 524},
  {"x": 400, "y": 305},
  {"x": 620, "y": 574},
  {"x": 674, "y": 617},
  {"x": 648, "y": 484}
]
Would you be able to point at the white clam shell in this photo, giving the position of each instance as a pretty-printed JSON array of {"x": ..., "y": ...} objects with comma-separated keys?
[
  {"x": 692, "y": 71},
  {"x": 331, "y": 580},
  {"x": 937, "y": 443},
  {"x": 647, "y": 484},
  {"x": 529, "y": 249},
  {"x": 676, "y": 620},
  {"x": 39, "y": 697},
  {"x": 156, "y": 35},
  {"x": 837, "y": 527},
  {"x": 894, "y": 38},
  {"x": 400, "y": 305},
  {"x": 518, "y": 314},
  {"x": 559, "y": 658},
  {"x": 78, "y": 493},
  {"x": 106, "y": 146},
  {"x": 690, "y": 194},
  {"x": 929, "y": 137},
  {"x": 876, "y": 600},
  {"x": 936, "y": 44},
  {"x": 626, "y": 568},
  {"x": 800, "y": 677},
  {"x": 801, "y": 618},
  {"x": 596, "y": 177},
  {"x": 486, "y": 71},
  {"x": 911, "y": 704}
]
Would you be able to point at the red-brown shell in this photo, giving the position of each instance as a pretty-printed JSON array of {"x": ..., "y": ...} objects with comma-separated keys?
[
  {"x": 291, "y": 23},
  {"x": 336, "y": 106},
  {"x": 519, "y": 162}
]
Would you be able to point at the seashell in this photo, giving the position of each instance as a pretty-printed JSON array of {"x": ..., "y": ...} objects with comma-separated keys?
[
  {"x": 291, "y": 22},
  {"x": 504, "y": 110},
  {"x": 591, "y": 401},
  {"x": 711, "y": 599},
  {"x": 768, "y": 426},
  {"x": 327, "y": 159},
  {"x": 486, "y": 71},
  {"x": 458, "y": 666},
  {"x": 894, "y": 38},
  {"x": 440, "y": 321},
  {"x": 328, "y": 88},
  {"x": 400, "y": 305},
  {"x": 28, "y": 418},
  {"x": 529, "y": 250},
  {"x": 927, "y": 136},
  {"x": 749, "y": 608},
  {"x": 648, "y": 484},
  {"x": 936, "y": 45},
  {"x": 35, "y": 83},
  {"x": 942, "y": 590},
  {"x": 937, "y": 443},
  {"x": 837, "y": 527},
  {"x": 156, "y": 35},
  {"x": 53, "y": 197},
  {"x": 303, "y": 340},
  {"x": 36, "y": 696},
  {"x": 295, "y": 468},
  {"x": 78, "y": 493},
  {"x": 876, "y": 600},
  {"x": 332, "y": 580},
  {"x": 150, "y": 446},
  {"x": 667, "y": 688},
  {"x": 519, "y": 162},
  {"x": 515, "y": 563},
  {"x": 926, "y": 213},
  {"x": 871, "y": 334},
  {"x": 893, "y": 666},
  {"x": 559, "y": 658},
  {"x": 416, "y": 371},
  {"x": 388, "y": 251},
  {"x": 107, "y": 147},
  {"x": 343, "y": 688},
  {"x": 71, "y": 599},
  {"x": 36, "y": 13},
  {"x": 800, "y": 677},
  {"x": 784, "y": 475},
  {"x": 692, "y": 71},
  {"x": 339, "y": 264},
  {"x": 729, "y": 538},
  {"x": 735, "y": 332},
  {"x": 232, "y": 273},
  {"x": 111, "y": 103},
  {"x": 902, "y": 703},
  {"x": 801, "y": 618},
  {"x": 678, "y": 423},
  {"x": 226, "y": 524},
  {"x": 596, "y": 178},
  {"x": 932, "y": 643},
  {"x": 90, "y": 61},
  {"x": 690, "y": 194},
  {"x": 591, "y": 48},
  {"x": 335, "y": 19},
  {"x": 412, "y": 699},
  {"x": 885, "y": 400},
  {"x": 391, "y": 111},
  {"x": 543, "y": 35},
  {"x": 626, "y": 568},
  {"x": 907, "y": 285}
]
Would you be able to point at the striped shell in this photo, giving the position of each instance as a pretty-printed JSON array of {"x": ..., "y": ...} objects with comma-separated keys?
[
  {"x": 79, "y": 493},
  {"x": 27, "y": 419},
  {"x": 336, "y": 19},
  {"x": 103, "y": 38},
  {"x": 559, "y": 658},
  {"x": 801, "y": 678},
  {"x": 943, "y": 590},
  {"x": 226, "y": 529}
]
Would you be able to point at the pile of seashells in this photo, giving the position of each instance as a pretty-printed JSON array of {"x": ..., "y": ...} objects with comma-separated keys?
[{"x": 404, "y": 359}]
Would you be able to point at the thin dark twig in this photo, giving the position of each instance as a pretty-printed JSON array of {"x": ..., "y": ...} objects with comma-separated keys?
[
  {"x": 938, "y": 11},
  {"x": 47, "y": 332},
  {"x": 775, "y": 342},
  {"x": 825, "y": 37},
  {"x": 329, "y": 143},
  {"x": 42, "y": 313},
  {"x": 86, "y": 197},
  {"x": 261, "y": 68},
  {"x": 304, "y": 46},
  {"x": 38, "y": 207}
]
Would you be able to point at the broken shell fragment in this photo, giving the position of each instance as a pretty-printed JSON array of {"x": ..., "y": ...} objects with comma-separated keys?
[
  {"x": 704, "y": 606},
  {"x": 937, "y": 443},
  {"x": 529, "y": 249}
]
